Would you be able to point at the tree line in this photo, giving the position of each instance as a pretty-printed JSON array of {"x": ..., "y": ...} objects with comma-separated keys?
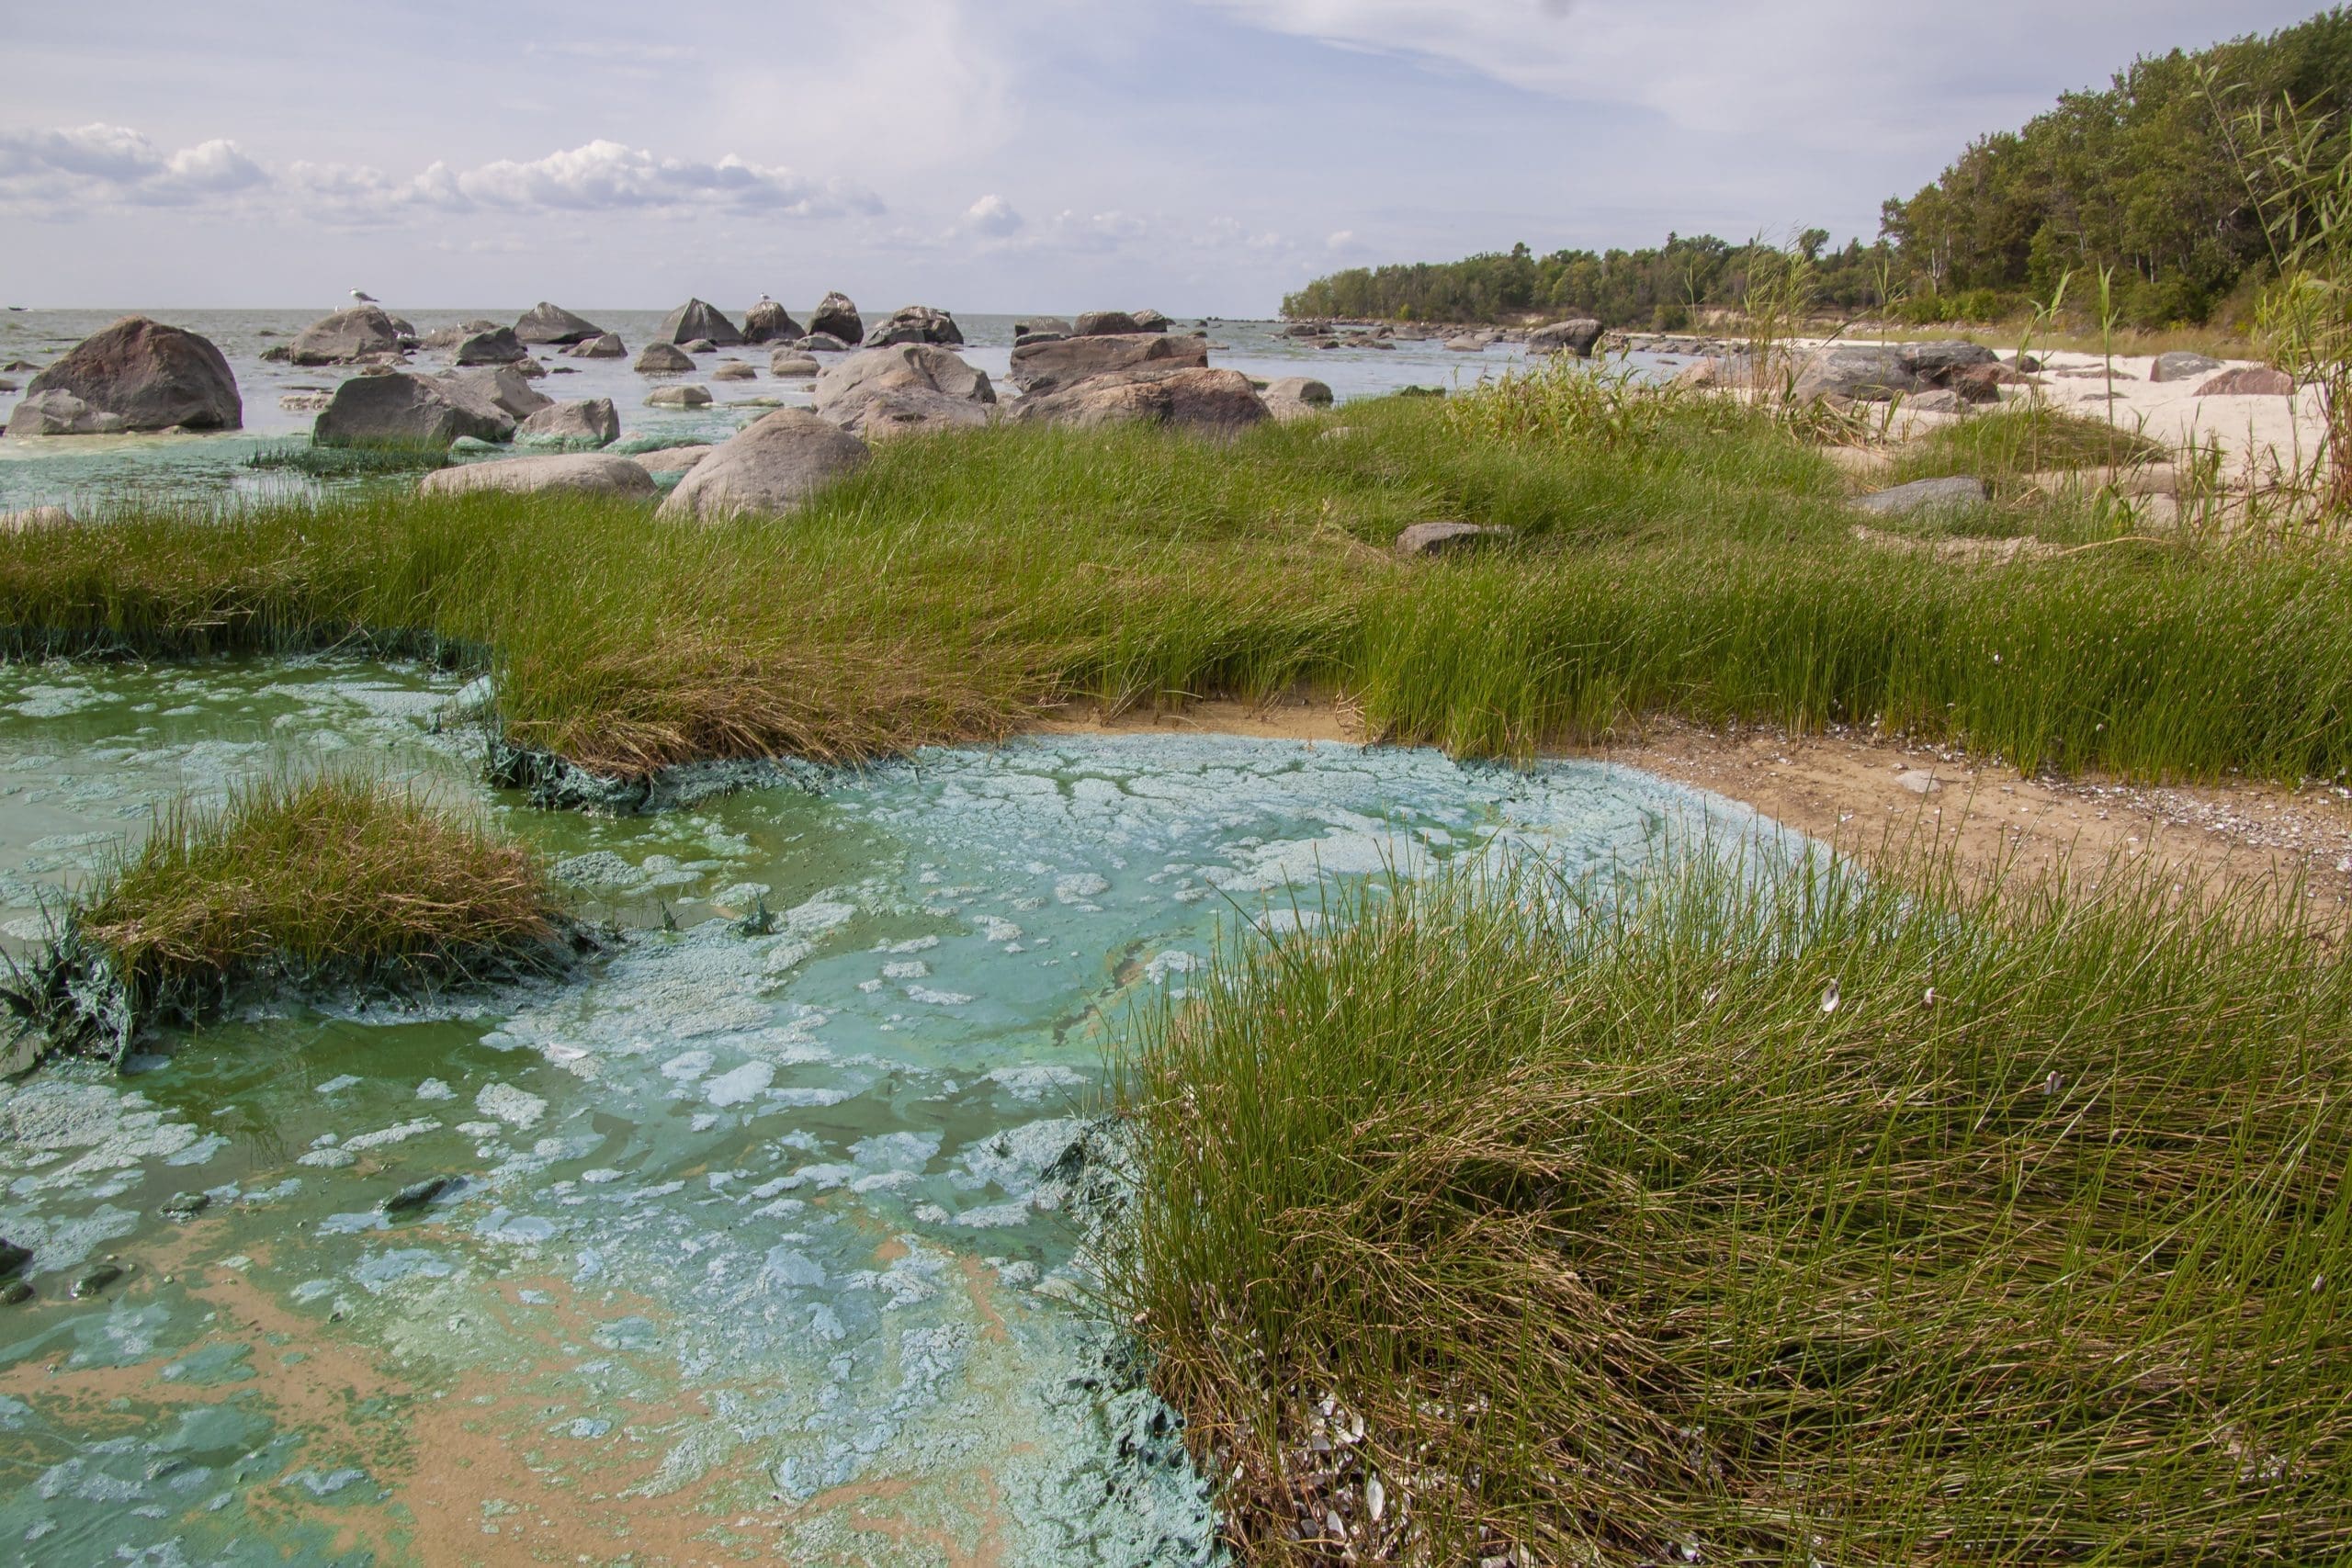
[{"x": 2150, "y": 177}]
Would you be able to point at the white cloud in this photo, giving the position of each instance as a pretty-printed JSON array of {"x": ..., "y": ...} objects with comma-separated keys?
[
  {"x": 993, "y": 216},
  {"x": 602, "y": 175},
  {"x": 58, "y": 171},
  {"x": 1340, "y": 240}
]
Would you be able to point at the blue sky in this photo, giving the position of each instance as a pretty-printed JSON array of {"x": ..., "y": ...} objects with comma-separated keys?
[{"x": 1199, "y": 155}]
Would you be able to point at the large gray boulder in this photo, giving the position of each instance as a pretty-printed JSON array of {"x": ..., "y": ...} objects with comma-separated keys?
[
  {"x": 1149, "y": 320},
  {"x": 2182, "y": 364},
  {"x": 1297, "y": 397},
  {"x": 497, "y": 347},
  {"x": 407, "y": 410},
  {"x": 60, "y": 412},
  {"x": 837, "y": 316},
  {"x": 1214, "y": 402},
  {"x": 925, "y": 386},
  {"x": 914, "y": 323},
  {"x": 663, "y": 358},
  {"x": 501, "y": 388},
  {"x": 546, "y": 323},
  {"x": 604, "y": 345},
  {"x": 1937, "y": 363},
  {"x": 1046, "y": 368},
  {"x": 136, "y": 374},
  {"x": 574, "y": 473},
  {"x": 586, "y": 422},
  {"x": 346, "y": 337},
  {"x": 1859, "y": 372},
  {"x": 766, "y": 468},
  {"x": 768, "y": 322},
  {"x": 694, "y": 319},
  {"x": 450, "y": 337},
  {"x": 1575, "y": 336},
  {"x": 1106, "y": 323}
]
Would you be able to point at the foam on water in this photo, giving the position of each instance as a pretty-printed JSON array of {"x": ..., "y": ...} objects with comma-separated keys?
[{"x": 752, "y": 1243}]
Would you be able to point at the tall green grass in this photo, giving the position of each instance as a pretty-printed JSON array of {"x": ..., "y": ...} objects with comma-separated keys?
[
  {"x": 1707, "y": 569},
  {"x": 336, "y": 878},
  {"x": 1812, "y": 1220}
]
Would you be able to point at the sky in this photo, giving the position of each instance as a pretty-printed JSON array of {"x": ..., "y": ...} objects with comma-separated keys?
[{"x": 1200, "y": 156}]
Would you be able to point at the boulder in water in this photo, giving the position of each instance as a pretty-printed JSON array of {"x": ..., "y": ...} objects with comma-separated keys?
[
  {"x": 576, "y": 473},
  {"x": 500, "y": 387},
  {"x": 768, "y": 469},
  {"x": 1149, "y": 320},
  {"x": 1046, "y": 368},
  {"x": 733, "y": 370},
  {"x": 821, "y": 343},
  {"x": 679, "y": 398},
  {"x": 497, "y": 347},
  {"x": 134, "y": 375},
  {"x": 346, "y": 337},
  {"x": 1214, "y": 402},
  {"x": 768, "y": 322},
  {"x": 914, "y": 323},
  {"x": 837, "y": 316},
  {"x": 694, "y": 319},
  {"x": 402, "y": 409},
  {"x": 792, "y": 362},
  {"x": 1575, "y": 336},
  {"x": 590, "y": 422},
  {"x": 663, "y": 358},
  {"x": 546, "y": 323},
  {"x": 604, "y": 346}
]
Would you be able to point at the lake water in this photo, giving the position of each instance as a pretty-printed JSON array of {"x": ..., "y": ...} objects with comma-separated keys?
[
  {"x": 91, "y": 470},
  {"x": 756, "y": 1248}
]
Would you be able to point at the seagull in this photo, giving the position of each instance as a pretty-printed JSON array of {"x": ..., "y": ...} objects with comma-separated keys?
[{"x": 363, "y": 297}]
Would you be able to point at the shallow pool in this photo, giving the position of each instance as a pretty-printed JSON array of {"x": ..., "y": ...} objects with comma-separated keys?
[{"x": 754, "y": 1246}]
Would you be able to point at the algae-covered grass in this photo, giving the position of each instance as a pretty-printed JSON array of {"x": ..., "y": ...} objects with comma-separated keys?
[
  {"x": 331, "y": 879},
  {"x": 1705, "y": 566},
  {"x": 1726, "y": 1220}
]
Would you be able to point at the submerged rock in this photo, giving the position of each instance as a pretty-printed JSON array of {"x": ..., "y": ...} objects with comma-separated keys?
[
  {"x": 836, "y": 317},
  {"x": 766, "y": 469},
  {"x": 13, "y": 1257},
  {"x": 576, "y": 473},
  {"x": 1049, "y": 367},
  {"x": 13, "y": 1292},
  {"x": 694, "y": 319},
  {"x": 1216, "y": 402},
  {"x": 678, "y": 398},
  {"x": 97, "y": 1279},
  {"x": 183, "y": 1207},
  {"x": 417, "y": 1194},
  {"x": 547, "y": 323},
  {"x": 821, "y": 343},
  {"x": 733, "y": 370},
  {"x": 791, "y": 362},
  {"x": 664, "y": 359},
  {"x": 136, "y": 374}
]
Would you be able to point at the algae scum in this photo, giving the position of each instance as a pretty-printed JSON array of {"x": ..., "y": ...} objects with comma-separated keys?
[{"x": 749, "y": 1243}]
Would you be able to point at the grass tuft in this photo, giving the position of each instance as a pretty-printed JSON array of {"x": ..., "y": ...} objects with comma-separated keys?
[
  {"x": 335, "y": 879},
  {"x": 1726, "y": 1220}
]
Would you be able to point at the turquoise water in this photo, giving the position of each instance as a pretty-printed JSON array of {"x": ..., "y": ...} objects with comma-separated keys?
[{"x": 755, "y": 1246}]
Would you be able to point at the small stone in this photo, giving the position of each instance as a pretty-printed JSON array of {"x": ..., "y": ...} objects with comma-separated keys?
[
  {"x": 417, "y": 1194},
  {"x": 96, "y": 1280},
  {"x": 1448, "y": 538},
  {"x": 13, "y": 1256},
  {"x": 15, "y": 1291},
  {"x": 1957, "y": 495},
  {"x": 184, "y": 1206}
]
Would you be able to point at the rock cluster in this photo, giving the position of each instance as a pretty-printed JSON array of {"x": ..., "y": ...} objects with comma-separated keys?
[{"x": 1880, "y": 373}]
